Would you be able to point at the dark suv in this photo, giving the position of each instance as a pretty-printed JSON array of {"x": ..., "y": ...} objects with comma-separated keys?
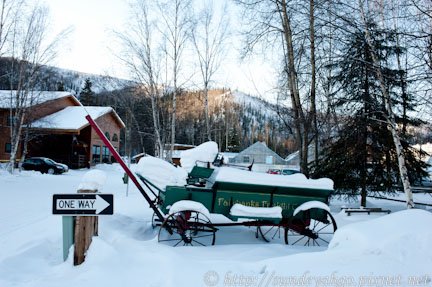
[{"x": 44, "y": 165}]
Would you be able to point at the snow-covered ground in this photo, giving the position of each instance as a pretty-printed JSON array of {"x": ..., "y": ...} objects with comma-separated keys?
[{"x": 367, "y": 250}]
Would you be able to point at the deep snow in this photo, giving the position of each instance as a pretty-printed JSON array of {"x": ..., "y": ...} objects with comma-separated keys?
[{"x": 367, "y": 250}]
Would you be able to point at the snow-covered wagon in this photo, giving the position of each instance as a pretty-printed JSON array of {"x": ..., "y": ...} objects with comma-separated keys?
[{"x": 290, "y": 207}]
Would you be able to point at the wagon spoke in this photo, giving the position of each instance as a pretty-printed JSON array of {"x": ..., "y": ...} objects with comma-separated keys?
[
  {"x": 323, "y": 240},
  {"x": 299, "y": 239},
  {"x": 269, "y": 233},
  {"x": 276, "y": 232},
  {"x": 198, "y": 242},
  {"x": 322, "y": 228}
]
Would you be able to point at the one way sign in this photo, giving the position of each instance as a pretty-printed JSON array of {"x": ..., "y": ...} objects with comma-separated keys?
[{"x": 83, "y": 204}]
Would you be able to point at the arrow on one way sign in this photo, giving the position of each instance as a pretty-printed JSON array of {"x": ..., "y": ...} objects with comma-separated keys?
[{"x": 83, "y": 204}]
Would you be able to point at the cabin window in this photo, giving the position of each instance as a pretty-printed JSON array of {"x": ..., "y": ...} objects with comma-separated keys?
[
  {"x": 10, "y": 120},
  {"x": 115, "y": 138},
  {"x": 8, "y": 148},
  {"x": 246, "y": 159},
  {"x": 107, "y": 135},
  {"x": 105, "y": 154},
  {"x": 269, "y": 159},
  {"x": 96, "y": 153}
]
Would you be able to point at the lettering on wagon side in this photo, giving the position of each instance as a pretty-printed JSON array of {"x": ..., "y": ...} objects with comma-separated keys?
[{"x": 221, "y": 201}]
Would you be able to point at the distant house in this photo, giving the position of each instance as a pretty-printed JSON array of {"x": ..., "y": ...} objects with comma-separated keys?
[
  {"x": 229, "y": 156},
  {"x": 293, "y": 159},
  {"x": 261, "y": 156},
  {"x": 59, "y": 130}
]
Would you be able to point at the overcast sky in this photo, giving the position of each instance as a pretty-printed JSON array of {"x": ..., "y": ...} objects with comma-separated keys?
[{"x": 90, "y": 48}]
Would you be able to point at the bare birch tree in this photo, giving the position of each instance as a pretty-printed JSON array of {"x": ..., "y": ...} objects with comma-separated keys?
[
  {"x": 175, "y": 26},
  {"x": 142, "y": 60},
  {"x": 278, "y": 17},
  {"x": 391, "y": 120},
  {"x": 8, "y": 17},
  {"x": 29, "y": 51},
  {"x": 209, "y": 36}
]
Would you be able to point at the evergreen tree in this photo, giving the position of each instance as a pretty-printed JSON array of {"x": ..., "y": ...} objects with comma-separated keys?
[
  {"x": 87, "y": 95},
  {"x": 362, "y": 156},
  {"x": 60, "y": 86},
  {"x": 234, "y": 142}
]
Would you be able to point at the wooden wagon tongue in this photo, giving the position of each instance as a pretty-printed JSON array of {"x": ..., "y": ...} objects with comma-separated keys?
[{"x": 118, "y": 158}]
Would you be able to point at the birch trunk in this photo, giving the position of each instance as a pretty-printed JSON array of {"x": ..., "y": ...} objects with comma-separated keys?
[
  {"x": 300, "y": 121},
  {"x": 206, "y": 113},
  {"x": 313, "y": 79},
  {"x": 156, "y": 126}
]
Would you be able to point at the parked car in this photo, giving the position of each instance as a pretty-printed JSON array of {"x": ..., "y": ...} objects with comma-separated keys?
[
  {"x": 44, "y": 165},
  {"x": 274, "y": 171},
  {"x": 289, "y": 171},
  {"x": 282, "y": 171}
]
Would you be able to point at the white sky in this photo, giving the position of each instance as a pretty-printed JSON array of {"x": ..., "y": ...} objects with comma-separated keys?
[{"x": 90, "y": 48}]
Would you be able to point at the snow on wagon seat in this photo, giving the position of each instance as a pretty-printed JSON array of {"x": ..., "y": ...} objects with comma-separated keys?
[{"x": 240, "y": 210}]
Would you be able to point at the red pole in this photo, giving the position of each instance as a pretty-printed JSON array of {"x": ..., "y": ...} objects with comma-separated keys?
[{"x": 118, "y": 158}]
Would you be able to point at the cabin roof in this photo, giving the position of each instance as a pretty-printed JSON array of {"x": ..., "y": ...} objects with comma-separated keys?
[{"x": 73, "y": 118}]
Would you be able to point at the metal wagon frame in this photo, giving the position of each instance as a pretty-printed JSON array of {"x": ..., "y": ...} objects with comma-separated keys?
[{"x": 313, "y": 225}]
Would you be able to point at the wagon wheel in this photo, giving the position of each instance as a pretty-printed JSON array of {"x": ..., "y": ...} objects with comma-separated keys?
[
  {"x": 271, "y": 233},
  {"x": 187, "y": 228},
  {"x": 308, "y": 231}
]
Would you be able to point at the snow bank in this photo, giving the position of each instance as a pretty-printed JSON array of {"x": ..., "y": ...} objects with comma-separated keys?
[
  {"x": 404, "y": 235},
  {"x": 205, "y": 152},
  {"x": 249, "y": 211},
  {"x": 189, "y": 205},
  {"x": 160, "y": 172},
  {"x": 93, "y": 180},
  {"x": 228, "y": 174}
]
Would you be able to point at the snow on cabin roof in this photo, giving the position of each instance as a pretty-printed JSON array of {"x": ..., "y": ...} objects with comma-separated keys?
[
  {"x": 8, "y": 97},
  {"x": 228, "y": 174},
  {"x": 72, "y": 118}
]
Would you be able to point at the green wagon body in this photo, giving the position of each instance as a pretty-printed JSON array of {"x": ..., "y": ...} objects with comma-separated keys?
[{"x": 221, "y": 196}]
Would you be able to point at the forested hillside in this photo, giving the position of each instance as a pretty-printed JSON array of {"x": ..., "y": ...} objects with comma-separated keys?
[{"x": 237, "y": 120}]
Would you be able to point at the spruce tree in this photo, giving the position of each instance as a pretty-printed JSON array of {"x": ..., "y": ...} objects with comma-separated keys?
[
  {"x": 362, "y": 156},
  {"x": 60, "y": 86},
  {"x": 86, "y": 94}
]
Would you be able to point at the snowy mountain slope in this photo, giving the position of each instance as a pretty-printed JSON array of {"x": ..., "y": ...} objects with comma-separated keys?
[
  {"x": 253, "y": 106},
  {"x": 52, "y": 78},
  {"x": 74, "y": 80}
]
